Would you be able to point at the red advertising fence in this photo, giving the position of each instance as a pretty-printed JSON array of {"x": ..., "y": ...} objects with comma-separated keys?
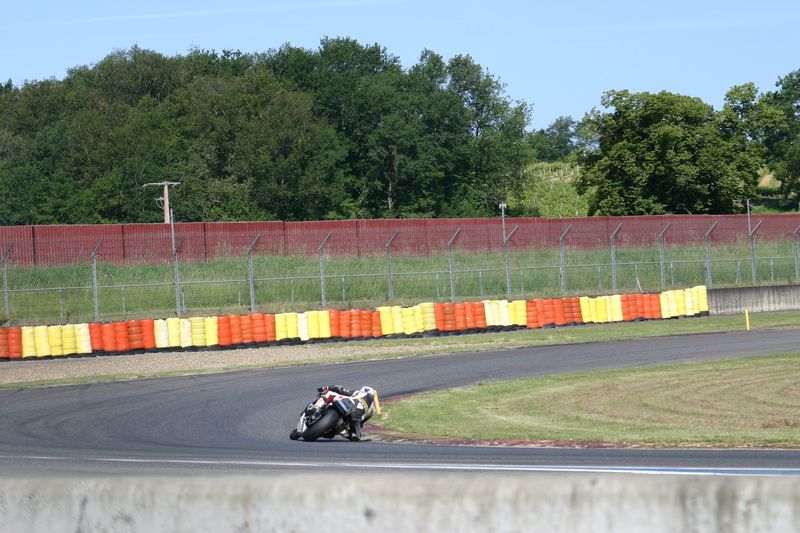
[{"x": 203, "y": 241}]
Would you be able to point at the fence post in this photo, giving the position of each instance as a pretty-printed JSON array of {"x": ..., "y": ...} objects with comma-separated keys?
[
  {"x": 708, "y": 253},
  {"x": 506, "y": 244},
  {"x": 6, "y": 251},
  {"x": 390, "y": 272},
  {"x": 450, "y": 262},
  {"x": 95, "y": 297},
  {"x": 753, "y": 251},
  {"x": 562, "y": 271},
  {"x": 661, "y": 254},
  {"x": 177, "y": 275},
  {"x": 796, "y": 257},
  {"x": 321, "y": 251},
  {"x": 614, "y": 258},
  {"x": 250, "y": 273}
]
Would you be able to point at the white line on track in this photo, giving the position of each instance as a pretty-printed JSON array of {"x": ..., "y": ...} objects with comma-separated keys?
[{"x": 453, "y": 467}]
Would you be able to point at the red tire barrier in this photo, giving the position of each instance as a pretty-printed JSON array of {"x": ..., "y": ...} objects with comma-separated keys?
[
  {"x": 224, "y": 336},
  {"x": 109, "y": 339},
  {"x": 14, "y": 335},
  {"x": 577, "y": 316},
  {"x": 96, "y": 336},
  {"x": 449, "y": 317}
]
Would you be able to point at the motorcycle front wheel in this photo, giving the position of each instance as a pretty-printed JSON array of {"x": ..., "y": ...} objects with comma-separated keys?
[{"x": 325, "y": 423}]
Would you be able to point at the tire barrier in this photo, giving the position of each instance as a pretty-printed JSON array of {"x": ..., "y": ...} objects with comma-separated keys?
[{"x": 264, "y": 329}]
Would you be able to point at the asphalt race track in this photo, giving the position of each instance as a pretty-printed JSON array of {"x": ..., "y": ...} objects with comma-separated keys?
[{"x": 238, "y": 422}]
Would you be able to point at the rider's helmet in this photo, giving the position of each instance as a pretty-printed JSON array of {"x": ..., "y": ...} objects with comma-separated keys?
[{"x": 367, "y": 390}]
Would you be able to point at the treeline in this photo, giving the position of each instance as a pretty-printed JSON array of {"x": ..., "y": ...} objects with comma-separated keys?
[{"x": 345, "y": 131}]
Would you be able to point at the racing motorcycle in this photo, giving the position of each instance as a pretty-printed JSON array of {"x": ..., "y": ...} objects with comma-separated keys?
[{"x": 327, "y": 416}]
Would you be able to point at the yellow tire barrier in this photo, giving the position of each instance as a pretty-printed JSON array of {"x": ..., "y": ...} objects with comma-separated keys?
[
  {"x": 83, "y": 339},
  {"x": 615, "y": 302},
  {"x": 586, "y": 309},
  {"x": 291, "y": 326},
  {"x": 408, "y": 320},
  {"x": 387, "y": 322},
  {"x": 302, "y": 326},
  {"x": 211, "y": 326},
  {"x": 428, "y": 316},
  {"x": 42, "y": 341},
  {"x": 281, "y": 329},
  {"x": 397, "y": 319},
  {"x": 325, "y": 324},
  {"x": 28, "y": 342},
  {"x": 174, "y": 332},
  {"x": 419, "y": 319},
  {"x": 198, "y": 330},
  {"x": 312, "y": 324},
  {"x": 162, "y": 333},
  {"x": 68, "y": 343},
  {"x": 185, "y": 333}
]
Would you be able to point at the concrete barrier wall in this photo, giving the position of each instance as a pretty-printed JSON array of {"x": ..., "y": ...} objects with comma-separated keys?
[
  {"x": 754, "y": 299},
  {"x": 391, "y": 502}
]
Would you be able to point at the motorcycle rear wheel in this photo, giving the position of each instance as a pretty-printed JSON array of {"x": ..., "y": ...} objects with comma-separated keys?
[{"x": 325, "y": 423}]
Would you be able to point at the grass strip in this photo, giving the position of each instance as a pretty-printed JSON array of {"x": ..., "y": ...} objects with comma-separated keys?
[{"x": 750, "y": 402}]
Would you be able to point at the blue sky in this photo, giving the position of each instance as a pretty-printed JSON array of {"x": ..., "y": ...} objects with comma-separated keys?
[{"x": 557, "y": 56}]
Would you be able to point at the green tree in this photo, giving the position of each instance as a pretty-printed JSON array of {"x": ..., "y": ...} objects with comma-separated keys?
[{"x": 666, "y": 153}]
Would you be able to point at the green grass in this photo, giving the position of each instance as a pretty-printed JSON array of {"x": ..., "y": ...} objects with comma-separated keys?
[
  {"x": 282, "y": 283},
  {"x": 741, "y": 402}
]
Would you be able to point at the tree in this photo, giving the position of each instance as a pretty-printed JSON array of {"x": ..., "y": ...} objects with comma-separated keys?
[
  {"x": 666, "y": 153},
  {"x": 556, "y": 142}
]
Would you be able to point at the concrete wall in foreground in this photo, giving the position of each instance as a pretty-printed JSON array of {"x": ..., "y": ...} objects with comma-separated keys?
[
  {"x": 389, "y": 502},
  {"x": 754, "y": 299}
]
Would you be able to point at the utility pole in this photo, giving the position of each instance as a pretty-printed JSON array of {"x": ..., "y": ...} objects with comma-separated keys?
[{"x": 165, "y": 198}]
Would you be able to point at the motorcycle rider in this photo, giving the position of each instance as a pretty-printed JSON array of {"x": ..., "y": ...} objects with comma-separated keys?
[{"x": 365, "y": 402}]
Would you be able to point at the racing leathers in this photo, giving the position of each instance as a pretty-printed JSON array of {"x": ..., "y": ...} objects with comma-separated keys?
[{"x": 365, "y": 403}]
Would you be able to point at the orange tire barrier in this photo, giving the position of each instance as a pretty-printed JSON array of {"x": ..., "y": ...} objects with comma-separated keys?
[
  {"x": 532, "y": 315},
  {"x": 224, "y": 336},
  {"x": 576, "y": 310},
  {"x": 366, "y": 323},
  {"x": 469, "y": 315},
  {"x": 236, "y": 329},
  {"x": 109, "y": 340},
  {"x": 3, "y": 344},
  {"x": 135, "y": 336},
  {"x": 449, "y": 317},
  {"x": 479, "y": 314},
  {"x": 438, "y": 314},
  {"x": 336, "y": 326},
  {"x": 14, "y": 336},
  {"x": 246, "y": 327},
  {"x": 345, "y": 330},
  {"x": 656, "y": 300},
  {"x": 269, "y": 327},
  {"x": 259, "y": 327},
  {"x": 640, "y": 306},
  {"x": 149, "y": 334},
  {"x": 121, "y": 337},
  {"x": 459, "y": 317},
  {"x": 355, "y": 323},
  {"x": 96, "y": 336},
  {"x": 559, "y": 315},
  {"x": 546, "y": 312},
  {"x": 376, "y": 324}
]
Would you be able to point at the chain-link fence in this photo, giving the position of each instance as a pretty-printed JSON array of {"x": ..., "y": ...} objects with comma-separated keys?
[{"x": 64, "y": 274}]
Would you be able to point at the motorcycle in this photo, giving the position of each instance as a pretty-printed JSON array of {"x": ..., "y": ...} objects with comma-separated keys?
[{"x": 331, "y": 414}]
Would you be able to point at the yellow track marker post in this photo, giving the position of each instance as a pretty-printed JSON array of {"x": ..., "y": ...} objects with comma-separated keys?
[{"x": 746, "y": 320}]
